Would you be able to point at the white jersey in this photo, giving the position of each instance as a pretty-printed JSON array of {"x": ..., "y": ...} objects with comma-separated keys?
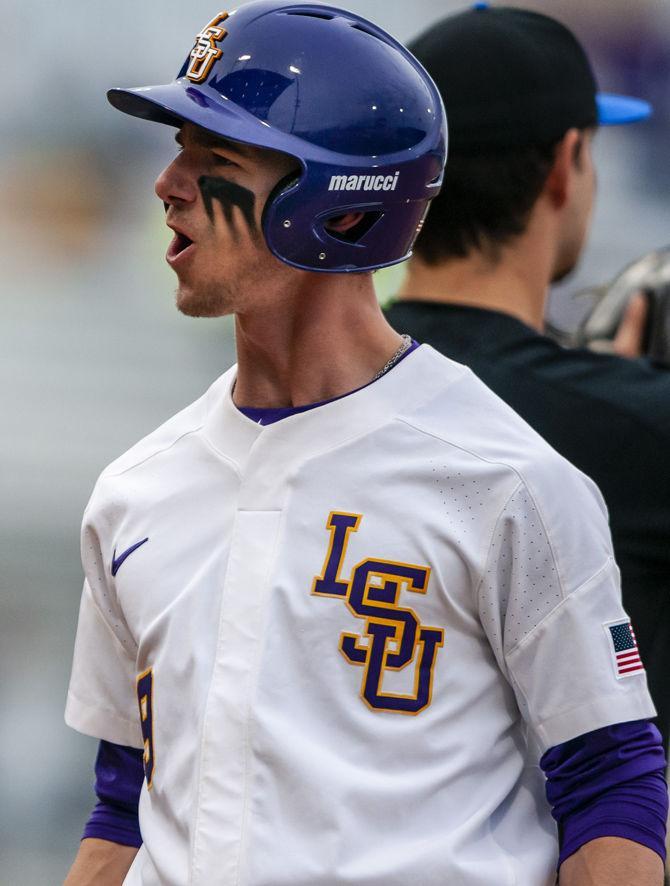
[{"x": 351, "y": 635}]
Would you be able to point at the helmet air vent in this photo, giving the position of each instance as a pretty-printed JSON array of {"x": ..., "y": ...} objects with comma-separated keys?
[
  {"x": 309, "y": 14},
  {"x": 369, "y": 31}
]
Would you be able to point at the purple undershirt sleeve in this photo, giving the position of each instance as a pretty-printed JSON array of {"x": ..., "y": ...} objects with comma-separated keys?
[
  {"x": 119, "y": 774},
  {"x": 114, "y": 823},
  {"x": 609, "y": 783}
]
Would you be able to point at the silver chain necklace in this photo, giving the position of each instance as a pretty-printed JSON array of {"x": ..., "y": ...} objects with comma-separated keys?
[{"x": 404, "y": 345}]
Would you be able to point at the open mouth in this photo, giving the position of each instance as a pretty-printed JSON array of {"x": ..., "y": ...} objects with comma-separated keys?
[{"x": 178, "y": 246}]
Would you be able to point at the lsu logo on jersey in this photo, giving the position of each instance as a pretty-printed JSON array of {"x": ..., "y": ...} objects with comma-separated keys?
[
  {"x": 206, "y": 52},
  {"x": 392, "y": 637}
]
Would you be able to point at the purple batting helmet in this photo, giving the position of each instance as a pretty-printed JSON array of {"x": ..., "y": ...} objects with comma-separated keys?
[{"x": 350, "y": 103}]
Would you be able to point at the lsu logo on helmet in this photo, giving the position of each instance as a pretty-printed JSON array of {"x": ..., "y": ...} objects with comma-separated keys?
[{"x": 206, "y": 52}]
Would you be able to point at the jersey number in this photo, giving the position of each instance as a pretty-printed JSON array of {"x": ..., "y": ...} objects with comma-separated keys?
[{"x": 145, "y": 695}]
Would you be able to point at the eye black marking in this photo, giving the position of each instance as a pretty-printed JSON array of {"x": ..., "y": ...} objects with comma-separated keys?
[{"x": 229, "y": 195}]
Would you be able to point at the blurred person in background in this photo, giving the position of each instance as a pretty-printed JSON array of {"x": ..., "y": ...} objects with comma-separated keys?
[{"x": 512, "y": 218}]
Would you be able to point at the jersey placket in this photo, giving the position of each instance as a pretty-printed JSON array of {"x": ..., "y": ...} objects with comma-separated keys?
[{"x": 225, "y": 764}]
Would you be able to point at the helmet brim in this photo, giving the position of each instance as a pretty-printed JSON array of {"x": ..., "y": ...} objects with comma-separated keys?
[{"x": 175, "y": 103}]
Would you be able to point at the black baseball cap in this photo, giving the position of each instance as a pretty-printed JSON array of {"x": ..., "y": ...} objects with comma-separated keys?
[{"x": 511, "y": 77}]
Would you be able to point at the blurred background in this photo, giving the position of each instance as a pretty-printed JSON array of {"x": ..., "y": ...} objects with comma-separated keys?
[{"x": 93, "y": 354}]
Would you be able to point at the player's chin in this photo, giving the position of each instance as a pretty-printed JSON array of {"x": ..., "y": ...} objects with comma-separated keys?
[{"x": 199, "y": 302}]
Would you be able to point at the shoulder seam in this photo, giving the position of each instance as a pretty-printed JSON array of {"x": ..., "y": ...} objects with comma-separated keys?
[
  {"x": 109, "y": 473},
  {"x": 448, "y": 442}
]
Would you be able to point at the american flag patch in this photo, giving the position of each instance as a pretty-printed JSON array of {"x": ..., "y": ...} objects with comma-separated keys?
[{"x": 627, "y": 659}]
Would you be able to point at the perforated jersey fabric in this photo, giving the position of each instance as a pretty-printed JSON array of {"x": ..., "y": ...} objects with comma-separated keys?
[{"x": 521, "y": 584}]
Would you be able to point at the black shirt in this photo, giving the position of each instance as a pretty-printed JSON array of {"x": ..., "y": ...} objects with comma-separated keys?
[{"x": 607, "y": 415}]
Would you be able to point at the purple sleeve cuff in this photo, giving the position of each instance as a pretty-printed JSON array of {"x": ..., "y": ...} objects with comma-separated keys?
[
  {"x": 635, "y": 811},
  {"x": 119, "y": 774},
  {"x": 609, "y": 783},
  {"x": 114, "y": 823}
]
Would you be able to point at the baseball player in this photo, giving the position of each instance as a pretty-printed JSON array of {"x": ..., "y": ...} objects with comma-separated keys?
[{"x": 338, "y": 607}]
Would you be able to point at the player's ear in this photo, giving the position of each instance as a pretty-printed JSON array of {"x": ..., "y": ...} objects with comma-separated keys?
[
  {"x": 343, "y": 223},
  {"x": 567, "y": 160}
]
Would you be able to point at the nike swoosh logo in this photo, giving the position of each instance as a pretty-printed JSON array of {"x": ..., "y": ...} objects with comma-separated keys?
[{"x": 117, "y": 562}]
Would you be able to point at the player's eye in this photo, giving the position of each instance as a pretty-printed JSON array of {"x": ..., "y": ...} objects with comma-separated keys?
[{"x": 220, "y": 160}]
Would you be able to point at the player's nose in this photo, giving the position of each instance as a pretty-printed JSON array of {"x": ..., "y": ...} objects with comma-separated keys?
[{"x": 176, "y": 184}]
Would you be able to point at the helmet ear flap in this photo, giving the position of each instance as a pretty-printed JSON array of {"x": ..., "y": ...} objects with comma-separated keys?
[
  {"x": 285, "y": 184},
  {"x": 282, "y": 187},
  {"x": 388, "y": 205}
]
